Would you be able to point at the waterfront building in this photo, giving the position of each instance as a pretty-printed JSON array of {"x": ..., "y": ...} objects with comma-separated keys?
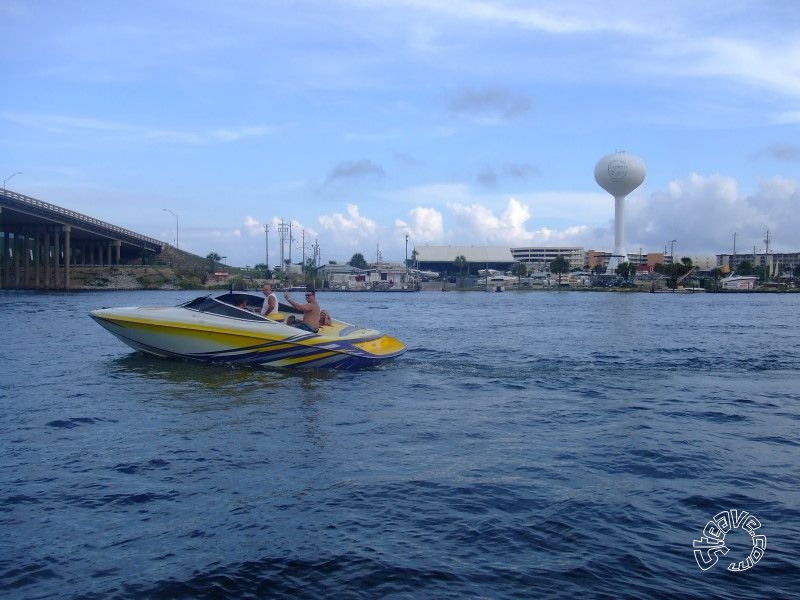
[
  {"x": 776, "y": 263},
  {"x": 538, "y": 258},
  {"x": 378, "y": 277},
  {"x": 441, "y": 259},
  {"x": 643, "y": 262}
]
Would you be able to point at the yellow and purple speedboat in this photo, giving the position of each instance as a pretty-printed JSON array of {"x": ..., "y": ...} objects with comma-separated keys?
[{"x": 228, "y": 329}]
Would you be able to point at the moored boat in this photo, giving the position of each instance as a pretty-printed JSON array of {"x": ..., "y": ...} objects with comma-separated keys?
[{"x": 229, "y": 329}]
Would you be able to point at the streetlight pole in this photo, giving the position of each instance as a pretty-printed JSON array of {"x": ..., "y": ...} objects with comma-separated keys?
[
  {"x": 177, "y": 245},
  {"x": 9, "y": 177}
]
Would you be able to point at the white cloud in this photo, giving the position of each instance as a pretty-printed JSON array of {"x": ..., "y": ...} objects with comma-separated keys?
[
  {"x": 560, "y": 18},
  {"x": 427, "y": 225},
  {"x": 703, "y": 212},
  {"x": 252, "y": 226},
  {"x": 233, "y": 135},
  {"x": 479, "y": 222},
  {"x": 349, "y": 230}
]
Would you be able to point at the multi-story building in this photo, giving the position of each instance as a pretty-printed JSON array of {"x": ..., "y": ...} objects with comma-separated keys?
[
  {"x": 539, "y": 258},
  {"x": 777, "y": 262},
  {"x": 595, "y": 258}
]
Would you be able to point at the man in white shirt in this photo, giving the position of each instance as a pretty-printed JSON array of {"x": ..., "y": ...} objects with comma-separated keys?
[{"x": 270, "y": 301}]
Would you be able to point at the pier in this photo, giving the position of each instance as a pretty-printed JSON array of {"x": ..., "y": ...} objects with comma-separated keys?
[{"x": 40, "y": 242}]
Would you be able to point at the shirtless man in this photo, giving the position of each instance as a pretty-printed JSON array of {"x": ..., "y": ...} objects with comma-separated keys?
[
  {"x": 310, "y": 311},
  {"x": 270, "y": 301}
]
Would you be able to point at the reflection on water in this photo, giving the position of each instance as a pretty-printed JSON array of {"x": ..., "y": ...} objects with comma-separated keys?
[{"x": 215, "y": 376}]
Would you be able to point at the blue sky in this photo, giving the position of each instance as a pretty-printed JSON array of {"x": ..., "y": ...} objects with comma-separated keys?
[{"x": 454, "y": 122}]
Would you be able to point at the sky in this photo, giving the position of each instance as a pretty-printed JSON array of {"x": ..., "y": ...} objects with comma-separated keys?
[{"x": 452, "y": 122}]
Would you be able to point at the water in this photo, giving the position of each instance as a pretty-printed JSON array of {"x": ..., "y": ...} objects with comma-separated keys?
[{"x": 528, "y": 445}]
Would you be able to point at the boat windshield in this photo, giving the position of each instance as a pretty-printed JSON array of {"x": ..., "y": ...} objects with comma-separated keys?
[{"x": 207, "y": 304}]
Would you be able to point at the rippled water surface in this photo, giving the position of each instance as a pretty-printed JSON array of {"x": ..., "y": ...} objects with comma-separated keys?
[{"x": 553, "y": 445}]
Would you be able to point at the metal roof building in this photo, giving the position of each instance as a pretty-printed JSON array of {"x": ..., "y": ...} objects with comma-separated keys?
[{"x": 442, "y": 258}]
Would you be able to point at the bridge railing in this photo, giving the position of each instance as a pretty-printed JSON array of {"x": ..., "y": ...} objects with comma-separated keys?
[{"x": 78, "y": 217}]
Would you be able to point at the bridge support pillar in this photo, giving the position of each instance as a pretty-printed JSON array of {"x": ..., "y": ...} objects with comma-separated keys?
[
  {"x": 4, "y": 261},
  {"x": 56, "y": 257},
  {"x": 46, "y": 258},
  {"x": 37, "y": 258},
  {"x": 17, "y": 261},
  {"x": 67, "y": 254}
]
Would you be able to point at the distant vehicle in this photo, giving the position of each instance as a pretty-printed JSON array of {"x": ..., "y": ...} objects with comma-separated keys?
[{"x": 425, "y": 275}]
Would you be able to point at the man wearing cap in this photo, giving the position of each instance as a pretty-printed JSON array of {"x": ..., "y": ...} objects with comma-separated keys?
[{"x": 310, "y": 310}]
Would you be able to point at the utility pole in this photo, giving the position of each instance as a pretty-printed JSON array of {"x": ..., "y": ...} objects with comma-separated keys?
[
  {"x": 303, "y": 238},
  {"x": 290, "y": 243},
  {"x": 283, "y": 229},
  {"x": 266, "y": 246}
]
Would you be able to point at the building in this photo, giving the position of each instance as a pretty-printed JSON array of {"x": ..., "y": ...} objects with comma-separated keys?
[
  {"x": 539, "y": 258},
  {"x": 778, "y": 263},
  {"x": 383, "y": 277},
  {"x": 441, "y": 259},
  {"x": 643, "y": 262}
]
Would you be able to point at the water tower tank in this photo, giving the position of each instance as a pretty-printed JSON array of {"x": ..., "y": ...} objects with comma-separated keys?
[{"x": 619, "y": 174}]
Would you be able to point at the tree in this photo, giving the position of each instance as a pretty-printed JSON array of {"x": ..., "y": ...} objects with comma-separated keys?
[
  {"x": 716, "y": 275},
  {"x": 520, "y": 270},
  {"x": 559, "y": 265},
  {"x": 264, "y": 268},
  {"x": 626, "y": 270},
  {"x": 358, "y": 261},
  {"x": 460, "y": 263},
  {"x": 677, "y": 270},
  {"x": 213, "y": 258},
  {"x": 745, "y": 268},
  {"x": 309, "y": 269}
]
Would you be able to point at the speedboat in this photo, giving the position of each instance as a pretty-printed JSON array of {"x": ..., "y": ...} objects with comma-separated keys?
[{"x": 229, "y": 329}]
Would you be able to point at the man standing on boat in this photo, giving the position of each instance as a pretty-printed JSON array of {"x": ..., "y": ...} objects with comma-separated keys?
[
  {"x": 310, "y": 310},
  {"x": 270, "y": 301}
]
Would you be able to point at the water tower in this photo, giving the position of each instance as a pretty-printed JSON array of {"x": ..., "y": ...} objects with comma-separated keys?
[{"x": 619, "y": 174}]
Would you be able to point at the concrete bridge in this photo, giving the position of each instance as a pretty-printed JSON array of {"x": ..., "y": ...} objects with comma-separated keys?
[{"x": 41, "y": 241}]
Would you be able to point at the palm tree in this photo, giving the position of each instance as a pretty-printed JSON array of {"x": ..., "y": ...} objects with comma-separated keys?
[
  {"x": 520, "y": 270},
  {"x": 460, "y": 263},
  {"x": 559, "y": 265},
  {"x": 213, "y": 258}
]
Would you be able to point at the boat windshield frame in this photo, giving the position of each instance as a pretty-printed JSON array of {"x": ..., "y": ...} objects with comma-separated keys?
[{"x": 216, "y": 306}]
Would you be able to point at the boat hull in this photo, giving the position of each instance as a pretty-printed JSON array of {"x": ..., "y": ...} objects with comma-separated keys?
[{"x": 180, "y": 333}]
